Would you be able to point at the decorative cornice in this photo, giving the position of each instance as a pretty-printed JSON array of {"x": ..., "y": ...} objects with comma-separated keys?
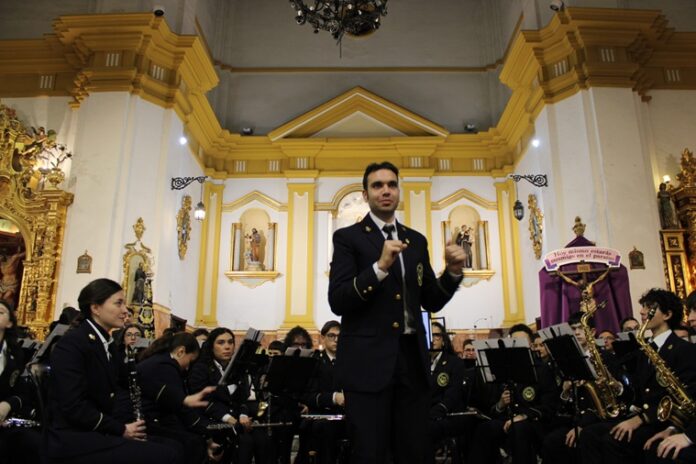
[{"x": 138, "y": 53}]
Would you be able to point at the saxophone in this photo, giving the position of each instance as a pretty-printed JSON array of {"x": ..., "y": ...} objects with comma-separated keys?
[
  {"x": 605, "y": 390},
  {"x": 676, "y": 407}
]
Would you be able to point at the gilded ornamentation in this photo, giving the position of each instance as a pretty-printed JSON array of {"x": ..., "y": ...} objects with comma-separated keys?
[
  {"x": 687, "y": 176},
  {"x": 39, "y": 214},
  {"x": 137, "y": 267},
  {"x": 183, "y": 225},
  {"x": 536, "y": 225},
  {"x": 578, "y": 227}
]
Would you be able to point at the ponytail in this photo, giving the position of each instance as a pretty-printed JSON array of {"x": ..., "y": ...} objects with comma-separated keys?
[{"x": 170, "y": 342}]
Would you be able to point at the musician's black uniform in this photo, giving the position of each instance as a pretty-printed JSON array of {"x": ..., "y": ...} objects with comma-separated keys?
[
  {"x": 446, "y": 397},
  {"x": 164, "y": 390},
  {"x": 242, "y": 444},
  {"x": 81, "y": 398},
  {"x": 17, "y": 445},
  {"x": 598, "y": 446},
  {"x": 523, "y": 440},
  {"x": 324, "y": 435}
]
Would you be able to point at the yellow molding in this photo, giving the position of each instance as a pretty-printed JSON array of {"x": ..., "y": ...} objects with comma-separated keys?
[
  {"x": 202, "y": 260},
  {"x": 644, "y": 49},
  {"x": 500, "y": 189},
  {"x": 254, "y": 196},
  {"x": 519, "y": 316},
  {"x": 407, "y": 188},
  {"x": 463, "y": 194},
  {"x": 218, "y": 189},
  {"x": 306, "y": 317},
  {"x": 338, "y": 196},
  {"x": 357, "y": 99}
]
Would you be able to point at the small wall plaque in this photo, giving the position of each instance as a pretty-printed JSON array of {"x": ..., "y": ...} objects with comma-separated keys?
[{"x": 84, "y": 264}]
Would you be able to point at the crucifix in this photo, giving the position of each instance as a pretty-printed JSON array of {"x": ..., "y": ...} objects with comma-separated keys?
[{"x": 587, "y": 302}]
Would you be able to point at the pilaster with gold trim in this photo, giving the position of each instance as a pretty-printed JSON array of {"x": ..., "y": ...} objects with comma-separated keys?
[
  {"x": 299, "y": 291},
  {"x": 513, "y": 298},
  {"x": 209, "y": 263},
  {"x": 415, "y": 193}
]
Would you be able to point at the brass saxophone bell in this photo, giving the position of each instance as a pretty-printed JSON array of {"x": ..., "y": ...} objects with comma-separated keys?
[{"x": 263, "y": 405}]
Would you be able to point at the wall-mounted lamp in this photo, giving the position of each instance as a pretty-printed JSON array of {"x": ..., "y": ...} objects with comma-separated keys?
[
  {"x": 179, "y": 183},
  {"x": 537, "y": 180},
  {"x": 666, "y": 179}
]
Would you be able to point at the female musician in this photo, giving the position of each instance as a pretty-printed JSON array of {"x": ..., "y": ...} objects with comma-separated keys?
[
  {"x": 167, "y": 406},
  {"x": 83, "y": 387},
  {"x": 16, "y": 444},
  {"x": 227, "y": 403}
]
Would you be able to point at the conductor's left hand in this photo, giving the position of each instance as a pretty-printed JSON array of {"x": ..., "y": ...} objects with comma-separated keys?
[{"x": 455, "y": 258}]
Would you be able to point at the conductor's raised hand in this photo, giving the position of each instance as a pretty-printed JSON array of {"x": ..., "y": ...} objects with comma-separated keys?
[
  {"x": 196, "y": 400},
  {"x": 390, "y": 253},
  {"x": 455, "y": 258}
]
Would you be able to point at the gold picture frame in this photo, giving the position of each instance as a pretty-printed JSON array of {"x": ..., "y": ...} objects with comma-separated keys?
[
  {"x": 137, "y": 267},
  {"x": 536, "y": 225},
  {"x": 84, "y": 264}
]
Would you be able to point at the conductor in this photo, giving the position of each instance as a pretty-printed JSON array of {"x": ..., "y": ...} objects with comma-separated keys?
[{"x": 380, "y": 279}]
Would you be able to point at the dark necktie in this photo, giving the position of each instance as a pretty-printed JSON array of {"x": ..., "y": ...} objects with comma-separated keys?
[{"x": 396, "y": 267}]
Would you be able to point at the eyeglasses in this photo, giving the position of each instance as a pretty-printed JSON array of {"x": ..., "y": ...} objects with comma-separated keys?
[
  {"x": 131, "y": 334},
  {"x": 437, "y": 335},
  {"x": 331, "y": 336}
]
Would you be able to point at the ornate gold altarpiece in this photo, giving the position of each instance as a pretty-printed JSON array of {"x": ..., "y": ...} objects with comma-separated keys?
[
  {"x": 31, "y": 199},
  {"x": 679, "y": 245}
]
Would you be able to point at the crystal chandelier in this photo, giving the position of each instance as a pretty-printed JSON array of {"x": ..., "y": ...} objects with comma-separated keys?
[{"x": 352, "y": 17}]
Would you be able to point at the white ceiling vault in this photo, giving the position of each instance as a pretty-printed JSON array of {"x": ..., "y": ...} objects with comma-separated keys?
[{"x": 437, "y": 58}]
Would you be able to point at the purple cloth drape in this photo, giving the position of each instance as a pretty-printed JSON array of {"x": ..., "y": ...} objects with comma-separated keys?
[{"x": 560, "y": 299}]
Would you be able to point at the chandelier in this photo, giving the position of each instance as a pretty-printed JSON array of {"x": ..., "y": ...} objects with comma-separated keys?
[{"x": 338, "y": 17}]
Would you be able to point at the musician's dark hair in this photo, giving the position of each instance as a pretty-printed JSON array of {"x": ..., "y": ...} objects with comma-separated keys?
[
  {"x": 665, "y": 301},
  {"x": 96, "y": 292},
  {"x": 276, "y": 345},
  {"x": 328, "y": 326},
  {"x": 521, "y": 328},
  {"x": 446, "y": 342},
  {"x": 201, "y": 331},
  {"x": 467, "y": 341},
  {"x": 690, "y": 301},
  {"x": 376, "y": 167},
  {"x": 576, "y": 317},
  {"x": 207, "y": 354},
  {"x": 625, "y": 320},
  {"x": 298, "y": 331},
  {"x": 10, "y": 332},
  {"x": 171, "y": 341}
]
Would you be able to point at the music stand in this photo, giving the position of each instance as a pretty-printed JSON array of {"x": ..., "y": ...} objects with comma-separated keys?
[
  {"x": 244, "y": 359},
  {"x": 506, "y": 360},
  {"x": 289, "y": 375},
  {"x": 626, "y": 347},
  {"x": 567, "y": 354}
]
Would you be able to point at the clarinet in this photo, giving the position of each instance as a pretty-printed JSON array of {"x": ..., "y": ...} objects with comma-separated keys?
[{"x": 134, "y": 391}]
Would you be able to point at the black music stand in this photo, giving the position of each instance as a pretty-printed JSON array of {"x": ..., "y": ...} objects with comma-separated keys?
[
  {"x": 626, "y": 348},
  {"x": 289, "y": 375},
  {"x": 244, "y": 360}
]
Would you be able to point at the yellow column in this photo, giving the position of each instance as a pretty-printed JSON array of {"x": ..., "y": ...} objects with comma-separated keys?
[
  {"x": 209, "y": 263},
  {"x": 513, "y": 301},
  {"x": 299, "y": 292},
  {"x": 417, "y": 207}
]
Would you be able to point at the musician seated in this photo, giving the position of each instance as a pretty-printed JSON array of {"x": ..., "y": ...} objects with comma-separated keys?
[
  {"x": 468, "y": 353},
  {"x": 226, "y": 402},
  {"x": 519, "y": 418},
  {"x": 446, "y": 391},
  {"x": 17, "y": 444},
  {"x": 167, "y": 406},
  {"x": 539, "y": 349},
  {"x": 83, "y": 384},
  {"x": 324, "y": 398},
  {"x": 572, "y": 418},
  {"x": 608, "y": 337},
  {"x": 684, "y": 332},
  {"x": 623, "y": 441}
]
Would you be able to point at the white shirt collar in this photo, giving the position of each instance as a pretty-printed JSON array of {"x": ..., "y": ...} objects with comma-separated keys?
[
  {"x": 380, "y": 224},
  {"x": 661, "y": 339},
  {"x": 3, "y": 356}
]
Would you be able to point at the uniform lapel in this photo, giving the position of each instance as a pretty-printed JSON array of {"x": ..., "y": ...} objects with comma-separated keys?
[
  {"x": 98, "y": 348},
  {"x": 372, "y": 233},
  {"x": 404, "y": 236}
]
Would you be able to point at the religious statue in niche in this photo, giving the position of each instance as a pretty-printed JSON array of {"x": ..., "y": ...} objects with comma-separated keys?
[
  {"x": 465, "y": 240},
  {"x": 668, "y": 212},
  {"x": 140, "y": 278},
  {"x": 252, "y": 255},
  {"x": 253, "y": 244}
]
